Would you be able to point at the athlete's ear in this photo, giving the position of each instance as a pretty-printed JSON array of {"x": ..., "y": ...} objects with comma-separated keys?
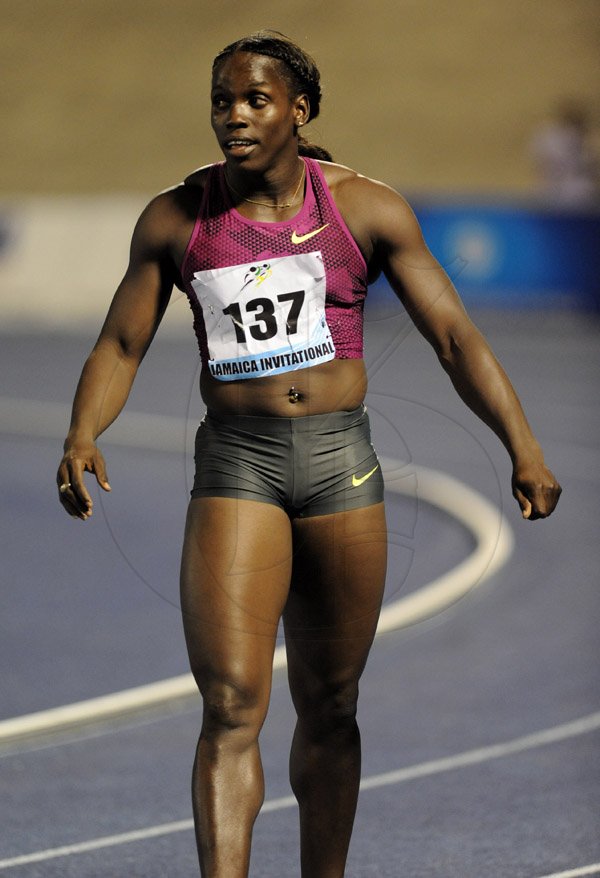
[{"x": 301, "y": 111}]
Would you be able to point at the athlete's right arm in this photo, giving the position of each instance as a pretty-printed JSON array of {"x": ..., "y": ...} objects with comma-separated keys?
[{"x": 132, "y": 320}]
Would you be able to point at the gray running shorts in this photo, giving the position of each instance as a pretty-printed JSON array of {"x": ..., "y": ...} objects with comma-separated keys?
[{"x": 311, "y": 465}]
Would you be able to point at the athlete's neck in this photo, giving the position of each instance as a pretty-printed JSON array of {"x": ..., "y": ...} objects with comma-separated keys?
[{"x": 278, "y": 188}]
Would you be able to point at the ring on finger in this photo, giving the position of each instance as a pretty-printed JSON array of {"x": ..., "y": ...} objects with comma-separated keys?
[{"x": 64, "y": 487}]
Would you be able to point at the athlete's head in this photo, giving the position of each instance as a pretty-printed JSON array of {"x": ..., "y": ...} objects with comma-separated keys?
[{"x": 297, "y": 68}]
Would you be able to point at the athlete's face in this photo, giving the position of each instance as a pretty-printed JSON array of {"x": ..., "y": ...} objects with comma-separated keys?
[{"x": 253, "y": 114}]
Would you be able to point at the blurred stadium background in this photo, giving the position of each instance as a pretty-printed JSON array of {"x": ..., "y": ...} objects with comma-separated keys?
[{"x": 106, "y": 102}]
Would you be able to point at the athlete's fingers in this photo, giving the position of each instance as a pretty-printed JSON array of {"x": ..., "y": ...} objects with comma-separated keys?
[
  {"x": 70, "y": 502},
  {"x": 82, "y": 496},
  {"x": 73, "y": 493},
  {"x": 545, "y": 500},
  {"x": 536, "y": 490},
  {"x": 537, "y": 501},
  {"x": 99, "y": 470},
  {"x": 524, "y": 503}
]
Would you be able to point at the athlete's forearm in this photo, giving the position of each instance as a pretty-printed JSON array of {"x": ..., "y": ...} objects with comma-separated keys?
[
  {"x": 483, "y": 385},
  {"x": 102, "y": 391}
]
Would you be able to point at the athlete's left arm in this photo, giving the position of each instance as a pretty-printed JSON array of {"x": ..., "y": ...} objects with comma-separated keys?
[{"x": 436, "y": 309}]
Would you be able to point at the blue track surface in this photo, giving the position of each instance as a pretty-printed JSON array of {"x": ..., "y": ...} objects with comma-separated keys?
[{"x": 91, "y": 608}]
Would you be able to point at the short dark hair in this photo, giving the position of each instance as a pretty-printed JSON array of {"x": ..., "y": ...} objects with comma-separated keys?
[{"x": 299, "y": 69}]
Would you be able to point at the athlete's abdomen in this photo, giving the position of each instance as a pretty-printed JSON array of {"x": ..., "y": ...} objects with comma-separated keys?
[{"x": 338, "y": 385}]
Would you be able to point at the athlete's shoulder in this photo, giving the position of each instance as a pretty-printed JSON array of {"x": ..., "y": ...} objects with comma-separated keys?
[
  {"x": 338, "y": 176},
  {"x": 182, "y": 199},
  {"x": 181, "y": 195},
  {"x": 349, "y": 185},
  {"x": 371, "y": 208},
  {"x": 197, "y": 179},
  {"x": 168, "y": 214}
]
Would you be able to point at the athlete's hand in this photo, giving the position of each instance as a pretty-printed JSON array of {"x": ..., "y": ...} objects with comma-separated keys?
[
  {"x": 72, "y": 492},
  {"x": 536, "y": 490}
]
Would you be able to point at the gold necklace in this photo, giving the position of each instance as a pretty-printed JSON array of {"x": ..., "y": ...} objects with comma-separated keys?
[{"x": 266, "y": 203}]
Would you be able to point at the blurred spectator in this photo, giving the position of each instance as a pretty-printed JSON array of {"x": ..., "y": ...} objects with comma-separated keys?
[{"x": 566, "y": 158}]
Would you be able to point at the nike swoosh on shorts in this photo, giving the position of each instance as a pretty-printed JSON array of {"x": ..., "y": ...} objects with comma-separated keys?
[
  {"x": 299, "y": 239},
  {"x": 358, "y": 480}
]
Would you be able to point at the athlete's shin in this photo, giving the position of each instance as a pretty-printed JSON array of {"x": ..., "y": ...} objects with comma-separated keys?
[
  {"x": 325, "y": 776},
  {"x": 227, "y": 792}
]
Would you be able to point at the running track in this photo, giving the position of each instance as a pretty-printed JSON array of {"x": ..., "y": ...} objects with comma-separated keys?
[{"x": 480, "y": 724}]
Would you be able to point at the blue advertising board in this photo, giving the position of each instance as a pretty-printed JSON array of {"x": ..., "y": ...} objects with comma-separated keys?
[{"x": 515, "y": 255}]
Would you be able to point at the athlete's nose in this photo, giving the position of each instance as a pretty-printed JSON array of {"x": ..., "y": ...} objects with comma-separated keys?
[{"x": 236, "y": 117}]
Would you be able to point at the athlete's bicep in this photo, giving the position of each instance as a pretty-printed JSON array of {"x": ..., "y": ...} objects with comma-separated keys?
[
  {"x": 414, "y": 274},
  {"x": 143, "y": 295}
]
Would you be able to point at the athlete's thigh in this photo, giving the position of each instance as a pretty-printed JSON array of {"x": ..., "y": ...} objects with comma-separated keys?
[
  {"x": 235, "y": 576},
  {"x": 337, "y": 588}
]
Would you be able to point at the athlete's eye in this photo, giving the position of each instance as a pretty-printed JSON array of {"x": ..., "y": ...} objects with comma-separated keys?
[
  {"x": 257, "y": 101},
  {"x": 219, "y": 103}
]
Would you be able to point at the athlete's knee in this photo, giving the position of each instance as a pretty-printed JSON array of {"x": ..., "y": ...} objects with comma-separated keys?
[
  {"x": 330, "y": 709},
  {"x": 230, "y": 707}
]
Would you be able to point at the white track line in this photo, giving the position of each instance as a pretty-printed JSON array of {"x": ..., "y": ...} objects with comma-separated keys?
[
  {"x": 492, "y": 533},
  {"x": 575, "y": 873},
  {"x": 413, "y": 772},
  {"x": 96, "y": 844},
  {"x": 553, "y": 735}
]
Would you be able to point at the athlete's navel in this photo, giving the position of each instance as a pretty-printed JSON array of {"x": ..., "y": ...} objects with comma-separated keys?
[{"x": 294, "y": 395}]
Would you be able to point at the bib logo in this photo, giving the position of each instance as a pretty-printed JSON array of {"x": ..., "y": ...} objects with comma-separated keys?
[{"x": 258, "y": 273}]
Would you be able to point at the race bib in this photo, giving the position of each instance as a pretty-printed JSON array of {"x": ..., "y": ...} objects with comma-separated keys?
[{"x": 265, "y": 317}]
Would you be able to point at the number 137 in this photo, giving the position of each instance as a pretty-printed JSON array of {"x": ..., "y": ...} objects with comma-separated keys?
[{"x": 264, "y": 325}]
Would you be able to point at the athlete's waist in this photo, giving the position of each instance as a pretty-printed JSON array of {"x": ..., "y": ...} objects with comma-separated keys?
[{"x": 334, "y": 421}]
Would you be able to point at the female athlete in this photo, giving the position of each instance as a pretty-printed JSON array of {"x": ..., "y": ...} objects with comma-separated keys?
[{"x": 275, "y": 248}]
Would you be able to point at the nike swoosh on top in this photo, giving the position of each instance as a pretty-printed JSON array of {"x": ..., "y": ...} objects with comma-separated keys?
[
  {"x": 358, "y": 480},
  {"x": 299, "y": 239}
]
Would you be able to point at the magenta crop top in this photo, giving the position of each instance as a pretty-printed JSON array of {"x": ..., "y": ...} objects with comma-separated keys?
[{"x": 273, "y": 297}]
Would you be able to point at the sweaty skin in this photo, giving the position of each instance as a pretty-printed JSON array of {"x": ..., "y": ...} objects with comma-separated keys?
[
  {"x": 390, "y": 240},
  {"x": 246, "y": 564},
  {"x": 252, "y": 118}
]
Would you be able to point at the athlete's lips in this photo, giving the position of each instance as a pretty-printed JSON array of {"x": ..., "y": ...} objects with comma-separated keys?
[{"x": 238, "y": 143}]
